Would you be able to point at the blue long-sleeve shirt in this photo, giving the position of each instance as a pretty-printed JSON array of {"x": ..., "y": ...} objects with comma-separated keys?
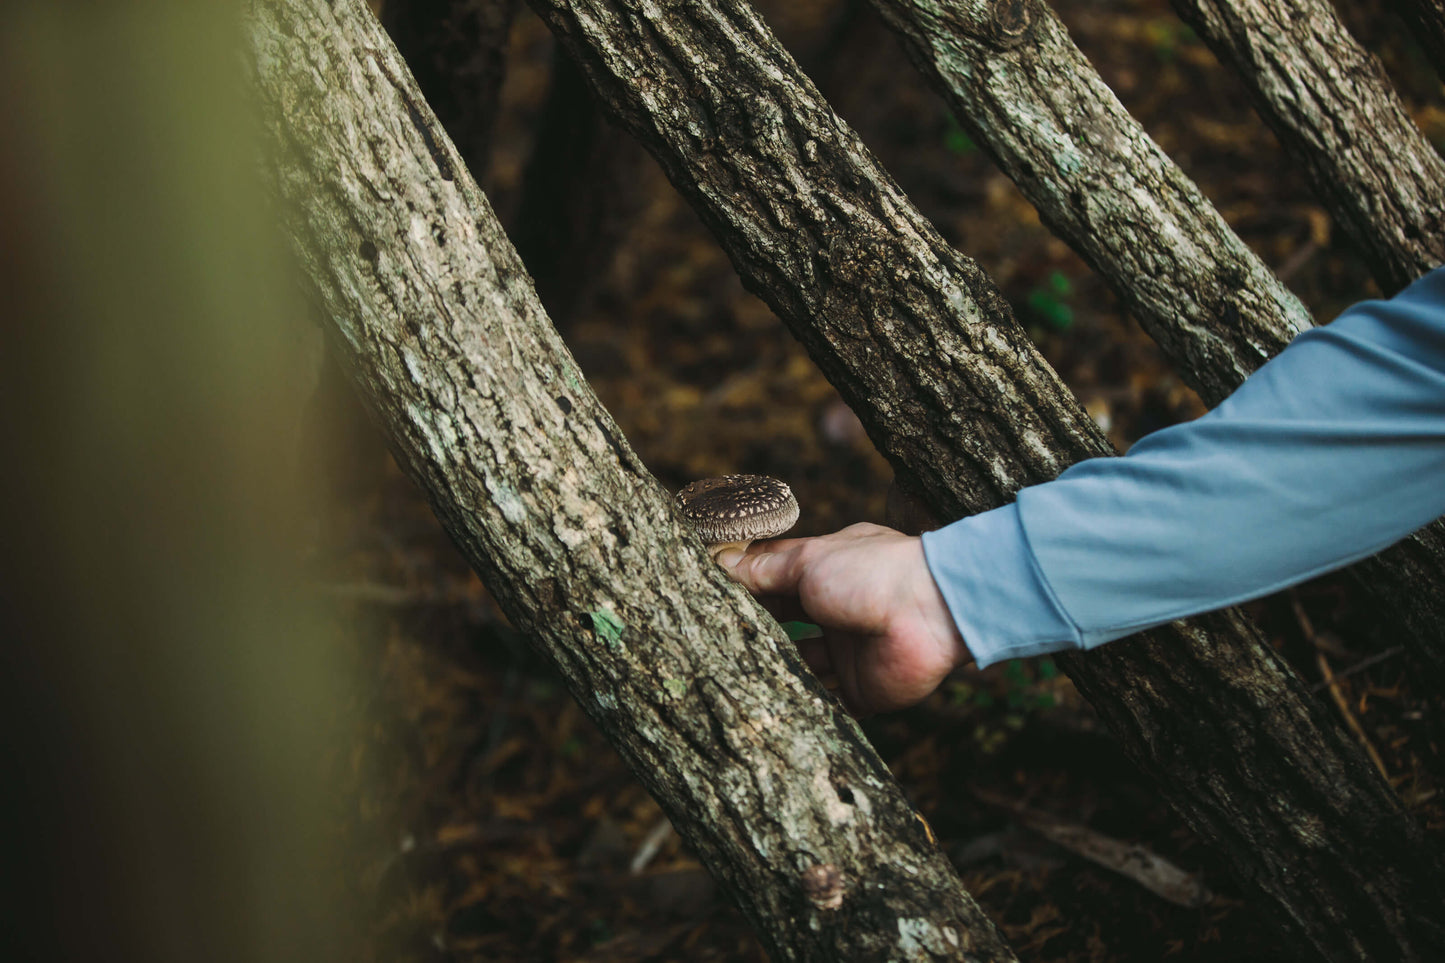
[{"x": 1328, "y": 453}]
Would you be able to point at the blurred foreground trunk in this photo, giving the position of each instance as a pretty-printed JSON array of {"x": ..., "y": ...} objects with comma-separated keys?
[
  {"x": 172, "y": 695},
  {"x": 924, "y": 349},
  {"x": 701, "y": 692}
]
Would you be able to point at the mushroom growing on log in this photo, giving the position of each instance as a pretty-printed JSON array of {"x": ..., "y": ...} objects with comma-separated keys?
[{"x": 732, "y": 510}]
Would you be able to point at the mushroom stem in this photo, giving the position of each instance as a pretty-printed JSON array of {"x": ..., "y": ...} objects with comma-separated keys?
[{"x": 715, "y": 549}]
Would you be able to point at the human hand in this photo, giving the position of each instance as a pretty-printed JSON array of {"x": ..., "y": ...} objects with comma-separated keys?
[{"x": 888, "y": 638}]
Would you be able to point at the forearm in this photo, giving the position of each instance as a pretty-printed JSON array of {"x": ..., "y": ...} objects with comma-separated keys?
[{"x": 1332, "y": 451}]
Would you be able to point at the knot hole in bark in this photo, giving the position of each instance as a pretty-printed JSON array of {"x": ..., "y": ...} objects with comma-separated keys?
[
  {"x": 1000, "y": 24},
  {"x": 823, "y": 886}
]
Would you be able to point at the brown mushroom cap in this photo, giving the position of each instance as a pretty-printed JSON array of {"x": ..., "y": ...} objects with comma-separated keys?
[{"x": 738, "y": 508}]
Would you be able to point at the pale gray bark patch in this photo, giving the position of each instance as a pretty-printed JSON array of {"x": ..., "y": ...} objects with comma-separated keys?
[
  {"x": 1334, "y": 111},
  {"x": 699, "y": 689},
  {"x": 924, "y": 349}
]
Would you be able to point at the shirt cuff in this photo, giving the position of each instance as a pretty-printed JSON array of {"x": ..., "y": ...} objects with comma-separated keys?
[{"x": 998, "y": 597}]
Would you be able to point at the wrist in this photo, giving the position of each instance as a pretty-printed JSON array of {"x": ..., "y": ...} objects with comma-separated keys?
[{"x": 934, "y": 610}]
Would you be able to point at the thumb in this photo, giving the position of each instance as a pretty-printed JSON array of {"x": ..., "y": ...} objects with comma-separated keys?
[{"x": 763, "y": 573}]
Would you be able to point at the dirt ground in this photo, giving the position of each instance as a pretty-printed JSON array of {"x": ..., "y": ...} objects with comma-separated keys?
[{"x": 490, "y": 819}]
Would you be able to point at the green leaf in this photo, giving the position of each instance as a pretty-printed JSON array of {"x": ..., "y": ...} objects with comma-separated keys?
[
  {"x": 1046, "y": 668},
  {"x": 797, "y": 631},
  {"x": 956, "y": 139},
  {"x": 607, "y": 626},
  {"x": 1051, "y": 310},
  {"x": 1049, "y": 301}
]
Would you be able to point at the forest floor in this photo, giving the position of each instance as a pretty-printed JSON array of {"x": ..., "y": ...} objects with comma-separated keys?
[{"x": 491, "y": 820}]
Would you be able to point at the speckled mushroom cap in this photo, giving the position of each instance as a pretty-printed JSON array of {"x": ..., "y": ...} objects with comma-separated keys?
[{"x": 738, "y": 508}]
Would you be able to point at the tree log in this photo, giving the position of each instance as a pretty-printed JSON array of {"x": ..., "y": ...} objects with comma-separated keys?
[
  {"x": 925, "y": 350},
  {"x": 1334, "y": 111},
  {"x": 1103, "y": 185},
  {"x": 701, "y": 692},
  {"x": 1031, "y": 99}
]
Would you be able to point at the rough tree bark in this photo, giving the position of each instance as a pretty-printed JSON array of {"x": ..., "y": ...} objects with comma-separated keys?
[
  {"x": 457, "y": 50},
  {"x": 775, "y": 788},
  {"x": 1426, "y": 19},
  {"x": 1337, "y": 116},
  {"x": 924, "y": 349},
  {"x": 1030, "y": 97}
]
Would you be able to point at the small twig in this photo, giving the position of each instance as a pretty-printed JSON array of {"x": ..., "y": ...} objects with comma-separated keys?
[
  {"x": 1297, "y": 260},
  {"x": 375, "y": 593},
  {"x": 378, "y": 593},
  {"x": 651, "y": 843},
  {"x": 1360, "y": 666},
  {"x": 1332, "y": 682},
  {"x": 1321, "y": 641},
  {"x": 1142, "y": 865},
  {"x": 496, "y": 727}
]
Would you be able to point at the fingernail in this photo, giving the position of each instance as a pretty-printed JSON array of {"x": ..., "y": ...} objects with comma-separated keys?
[{"x": 729, "y": 557}]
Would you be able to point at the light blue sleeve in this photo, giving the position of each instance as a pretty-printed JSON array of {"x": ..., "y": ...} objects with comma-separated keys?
[{"x": 1328, "y": 453}]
